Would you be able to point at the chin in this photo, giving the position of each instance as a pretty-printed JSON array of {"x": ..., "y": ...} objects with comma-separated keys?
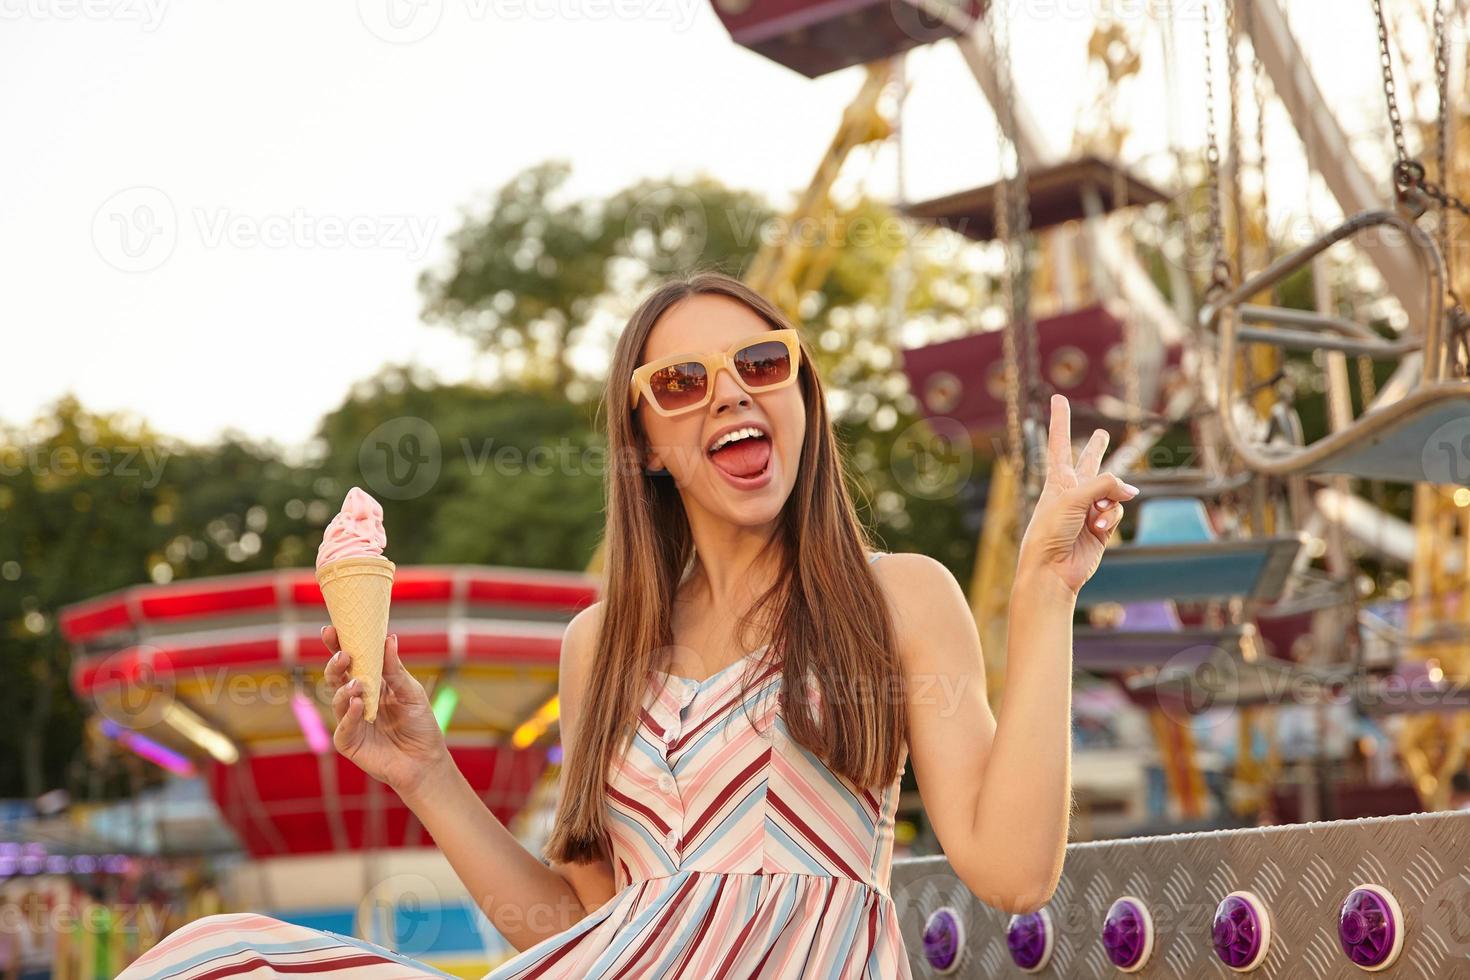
[{"x": 755, "y": 513}]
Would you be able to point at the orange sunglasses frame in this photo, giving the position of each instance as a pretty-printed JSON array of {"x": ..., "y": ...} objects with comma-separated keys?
[{"x": 639, "y": 383}]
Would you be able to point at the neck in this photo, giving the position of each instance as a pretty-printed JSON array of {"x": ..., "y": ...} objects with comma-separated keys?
[{"x": 732, "y": 565}]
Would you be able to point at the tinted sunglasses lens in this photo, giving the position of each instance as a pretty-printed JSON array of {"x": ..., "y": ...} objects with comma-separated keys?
[
  {"x": 766, "y": 363},
  {"x": 679, "y": 386}
]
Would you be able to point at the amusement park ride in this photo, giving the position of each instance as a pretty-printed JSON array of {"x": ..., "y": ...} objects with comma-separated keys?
[
  {"x": 1214, "y": 593},
  {"x": 1213, "y": 600},
  {"x": 223, "y": 678}
]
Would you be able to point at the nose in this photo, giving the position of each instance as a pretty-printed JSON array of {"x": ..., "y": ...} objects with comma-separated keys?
[{"x": 727, "y": 392}]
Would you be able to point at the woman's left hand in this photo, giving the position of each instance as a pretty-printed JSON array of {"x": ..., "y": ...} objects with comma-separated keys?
[{"x": 1078, "y": 508}]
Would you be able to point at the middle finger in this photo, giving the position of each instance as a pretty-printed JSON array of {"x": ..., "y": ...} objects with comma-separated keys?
[
  {"x": 337, "y": 666},
  {"x": 1091, "y": 459},
  {"x": 342, "y": 699}
]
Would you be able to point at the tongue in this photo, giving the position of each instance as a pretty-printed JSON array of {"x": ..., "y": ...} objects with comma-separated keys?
[{"x": 744, "y": 458}]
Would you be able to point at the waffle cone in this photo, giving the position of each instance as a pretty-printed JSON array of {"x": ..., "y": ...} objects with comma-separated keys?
[{"x": 357, "y": 591}]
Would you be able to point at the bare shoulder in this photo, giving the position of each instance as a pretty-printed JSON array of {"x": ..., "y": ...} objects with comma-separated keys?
[
  {"x": 912, "y": 581},
  {"x": 579, "y": 643},
  {"x": 924, "y": 598},
  {"x": 582, "y": 630}
]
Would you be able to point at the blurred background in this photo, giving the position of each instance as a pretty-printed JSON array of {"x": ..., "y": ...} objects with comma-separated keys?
[{"x": 261, "y": 255}]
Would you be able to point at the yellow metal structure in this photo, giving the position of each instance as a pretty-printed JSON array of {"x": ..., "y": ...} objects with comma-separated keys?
[{"x": 786, "y": 267}]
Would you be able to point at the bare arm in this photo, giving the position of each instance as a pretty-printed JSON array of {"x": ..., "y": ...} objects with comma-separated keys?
[
  {"x": 525, "y": 899},
  {"x": 999, "y": 794}
]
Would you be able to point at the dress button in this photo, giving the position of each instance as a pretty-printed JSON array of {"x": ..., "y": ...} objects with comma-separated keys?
[
  {"x": 666, "y": 783},
  {"x": 673, "y": 840}
]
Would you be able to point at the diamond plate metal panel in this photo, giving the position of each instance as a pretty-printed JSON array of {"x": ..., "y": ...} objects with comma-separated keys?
[{"x": 1302, "y": 872}]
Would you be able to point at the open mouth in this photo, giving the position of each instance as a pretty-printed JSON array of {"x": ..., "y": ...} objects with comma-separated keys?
[{"x": 745, "y": 458}]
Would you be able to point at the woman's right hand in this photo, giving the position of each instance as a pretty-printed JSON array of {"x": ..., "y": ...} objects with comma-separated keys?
[{"x": 404, "y": 744}]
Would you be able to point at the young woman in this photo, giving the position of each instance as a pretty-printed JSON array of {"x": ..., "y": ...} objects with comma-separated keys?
[{"x": 736, "y": 712}]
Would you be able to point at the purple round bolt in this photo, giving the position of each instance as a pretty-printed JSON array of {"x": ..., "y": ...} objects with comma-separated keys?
[
  {"x": 1370, "y": 927},
  {"x": 1241, "y": 932},
  {"x": 944, "y": 940},
  {"x": 1128, "y": 934},
  {"x": 1029, "y": 938}
]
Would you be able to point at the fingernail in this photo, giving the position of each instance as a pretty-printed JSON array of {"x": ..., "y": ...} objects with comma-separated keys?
[
  {"x": 324, "y": 632},
  {"x": 1130, "y": 488},
  {"x": 1104, "y": 504},
  {"x": 1101, "y": 525}
]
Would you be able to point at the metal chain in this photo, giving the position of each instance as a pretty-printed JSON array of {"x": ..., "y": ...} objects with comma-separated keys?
[
  {"x": 1220, "y": 278},
  {"x": 1390, "y": 94},
  {"x": 1015, "y": 449},
  {"x": 1013, "y": 211},
  {"x": 1458, "y": 322},
  {"x": 1019, "y": 217},
  {"x": 1411, "y": 183},
  {"x": 1409, "y": 176},
  {"x": 1258, "y": 78},
  {"x": 1442, "y": 81},
  {"x": 1233, "y": 157}
]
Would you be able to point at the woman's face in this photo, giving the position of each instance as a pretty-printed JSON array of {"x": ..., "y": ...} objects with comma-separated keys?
[{"x": 748, "y": 482}]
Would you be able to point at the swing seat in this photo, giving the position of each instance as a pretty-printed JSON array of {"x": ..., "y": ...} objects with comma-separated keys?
[
  {"x": 1411, "y": 689},
  {"x": 1186, "y": 482},
  {"x": 1423, "y": 436},
  {"x": 965, "y": 379},
  {"x": 1232, "y": 682},
  {"x": 815, "y": 38},
  {"x": 1150, "y": 635},
  {"x": 1175, "y": 554},
  {"x": 1066, "y": 192}
]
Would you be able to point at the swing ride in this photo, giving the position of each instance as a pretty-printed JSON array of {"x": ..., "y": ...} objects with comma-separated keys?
[{"x": 1214, "y": 601}]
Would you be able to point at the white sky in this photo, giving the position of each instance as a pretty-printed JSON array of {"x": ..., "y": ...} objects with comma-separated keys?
[{"x": 211, "y": 126}]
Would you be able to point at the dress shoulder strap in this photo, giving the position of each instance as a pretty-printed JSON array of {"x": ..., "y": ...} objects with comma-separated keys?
[{"x": 875, "y": 556}]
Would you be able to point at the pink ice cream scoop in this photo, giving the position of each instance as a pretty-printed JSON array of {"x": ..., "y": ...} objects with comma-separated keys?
[{"x": 356, "y": 532}]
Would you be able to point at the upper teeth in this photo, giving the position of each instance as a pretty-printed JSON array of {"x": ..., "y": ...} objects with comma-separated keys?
[{"x": 749, "y": 432}]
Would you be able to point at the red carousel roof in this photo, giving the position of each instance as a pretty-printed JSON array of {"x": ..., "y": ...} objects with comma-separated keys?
[{"x": 139, "y": 607}]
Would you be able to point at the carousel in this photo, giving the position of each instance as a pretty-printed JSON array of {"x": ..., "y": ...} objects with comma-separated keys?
[{"x": 222, "y": 679}]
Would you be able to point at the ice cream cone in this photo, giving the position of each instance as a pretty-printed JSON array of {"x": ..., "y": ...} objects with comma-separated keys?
[{"x": 357, "y": 591}]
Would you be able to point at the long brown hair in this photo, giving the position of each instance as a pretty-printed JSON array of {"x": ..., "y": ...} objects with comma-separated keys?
[{"x": 829, "y": 611}]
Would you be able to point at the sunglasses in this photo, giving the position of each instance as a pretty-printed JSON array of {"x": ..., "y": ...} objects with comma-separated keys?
[{"x": 684, "y": 382}]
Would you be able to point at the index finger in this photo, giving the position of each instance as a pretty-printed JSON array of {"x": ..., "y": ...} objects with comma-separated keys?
[{"x": 1059, "y": 438}]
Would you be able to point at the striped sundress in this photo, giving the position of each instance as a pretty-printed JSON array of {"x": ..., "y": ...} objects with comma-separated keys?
[{"x": 736, "y": 854}]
